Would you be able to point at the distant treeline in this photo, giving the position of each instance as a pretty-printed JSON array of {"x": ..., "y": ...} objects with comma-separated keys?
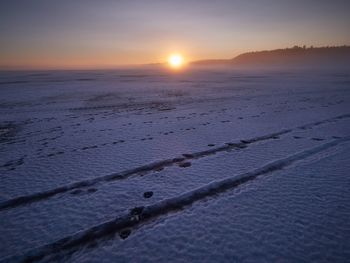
[{"x": 297, "y": 56}]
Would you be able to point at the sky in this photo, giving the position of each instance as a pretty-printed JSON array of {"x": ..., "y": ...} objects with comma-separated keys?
[{"x": 50, "y": 34}]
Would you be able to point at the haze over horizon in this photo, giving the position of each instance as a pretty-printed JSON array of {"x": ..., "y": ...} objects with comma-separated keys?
[
  {"x": 174, "y": 131},
  {"x": 90, "y": 34}
]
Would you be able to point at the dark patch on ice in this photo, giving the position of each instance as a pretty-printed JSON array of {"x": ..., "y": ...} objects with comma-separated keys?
[
  {"x": 166, "y": 109},
  {"x": 12, "y": 164},
  {"x": 317, "y": 139},
  {"x": 135, "y": 76},
  {"x": 120, "y": 141},
  {"x": 185, "y": 164},
  {"x": 178, "y": 159},
  {"x": 14, "y": 82},
  {"x": 211, "y": 145},
  {"x": 125, "y": 233},
  {"x": 89, "y": 147},
  {"x": 336, "y": 137},
  {"x": 85, "y": 79},
  {"x": 148, "y": 194},
  {"x": 8, "y": 131},
  {"x": 55, "y": 153},
  {"x": 136, "y": 210},
  {"x": 158, "y": 168},
  {"x": 76, "y": 192}
]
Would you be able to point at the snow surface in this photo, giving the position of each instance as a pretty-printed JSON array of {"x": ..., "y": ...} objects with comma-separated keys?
[{"x": 243, "y": 166}]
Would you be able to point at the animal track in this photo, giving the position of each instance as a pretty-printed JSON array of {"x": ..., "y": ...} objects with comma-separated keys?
[
  {"x": 12, "y": 165},
  {"x": 142, "y": 214},
  {"x": 150, "y": 168},
  {"x": 317, "y": 139},
  {"x": 185, "y": 164},
  {"x": 148, "y": 194}
]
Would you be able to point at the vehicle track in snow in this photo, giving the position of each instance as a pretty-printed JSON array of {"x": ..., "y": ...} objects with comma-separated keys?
[
  {"x": 152, "y": 167},
  {"x": 141, "y": 215}
]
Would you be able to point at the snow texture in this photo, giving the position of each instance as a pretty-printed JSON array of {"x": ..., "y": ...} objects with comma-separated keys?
[{"x": 146, "y": 165}]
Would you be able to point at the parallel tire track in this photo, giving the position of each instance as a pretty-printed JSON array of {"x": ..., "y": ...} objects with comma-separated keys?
[
  {"x": 35, "y": 197},
  {"x": 141, "y": 215}
]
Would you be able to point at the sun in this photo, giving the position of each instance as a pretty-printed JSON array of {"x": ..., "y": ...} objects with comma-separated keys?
[{"x": 175, "y": 61}]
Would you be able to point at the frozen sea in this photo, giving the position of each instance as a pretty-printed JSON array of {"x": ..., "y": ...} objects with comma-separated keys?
[{"x": 200, "y": 165}]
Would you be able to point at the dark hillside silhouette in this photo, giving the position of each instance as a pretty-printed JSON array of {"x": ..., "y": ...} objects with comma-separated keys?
[{"x": 293, "y": 57}]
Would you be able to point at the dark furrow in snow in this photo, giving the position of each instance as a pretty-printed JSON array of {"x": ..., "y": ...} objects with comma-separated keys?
[
  {"x": 23, "y": 200},
  {"x": 139, "y": 215}
]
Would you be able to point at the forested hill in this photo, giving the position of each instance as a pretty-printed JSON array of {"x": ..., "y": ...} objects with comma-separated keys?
[{"x": 295, "y": 57}]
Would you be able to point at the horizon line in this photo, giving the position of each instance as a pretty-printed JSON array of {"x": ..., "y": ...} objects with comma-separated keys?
[{"x": 4, "y": 68}]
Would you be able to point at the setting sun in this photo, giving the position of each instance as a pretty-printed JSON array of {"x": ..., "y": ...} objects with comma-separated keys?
[{"x": 175, "y": 61}]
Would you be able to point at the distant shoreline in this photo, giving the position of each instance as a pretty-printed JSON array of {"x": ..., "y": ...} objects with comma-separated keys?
[{"x": 295, "y": 56}]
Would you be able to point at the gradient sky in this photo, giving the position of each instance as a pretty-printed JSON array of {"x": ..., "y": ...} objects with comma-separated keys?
[{"x": 105, "y": 33}]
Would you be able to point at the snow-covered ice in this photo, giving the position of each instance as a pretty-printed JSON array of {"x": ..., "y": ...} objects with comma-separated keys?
[{"x": 147, "y": 165}]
